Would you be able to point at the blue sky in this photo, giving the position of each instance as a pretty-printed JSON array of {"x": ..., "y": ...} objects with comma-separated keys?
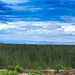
[{"x": 37, "y": 20}]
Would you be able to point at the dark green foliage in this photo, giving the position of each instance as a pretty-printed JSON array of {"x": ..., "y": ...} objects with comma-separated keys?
[
  {"x": 12, "y": 68},
  {"x": 8, "y": 73},
  {"x": 35, "y": 73},
  {"x": 17, "y": 68},
  {"x": 55, "y": 72},
  {"x": 58, "y": 67},
  {"x": 68, "y": 68},
  {"x": 32, "y": 56},
  {"x": 67, "y": 73}
]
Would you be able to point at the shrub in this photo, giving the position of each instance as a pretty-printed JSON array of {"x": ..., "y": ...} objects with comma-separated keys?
[
  {"x": 48, "y": 68},
  {"x": 35, "y": 73},
  {"x": 58, "y": 67},
  {"x": 12, "y": 68},
  {"x": 69, "y": 68},
  {"x": 64, "y": 68},
  {"x": 26, "y": 69},
  {"x": 19, "y": 69},
  {"x": 55, "y": 72},
  {"x": 8, "y": 73},
  {"x": 39, "y": 68},
  {"x": 66, "y": 73}
]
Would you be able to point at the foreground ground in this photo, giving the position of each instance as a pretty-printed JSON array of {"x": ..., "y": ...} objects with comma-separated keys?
[
  {"x": 46, "y": 72},
  {"x": 49, "y": 72}
]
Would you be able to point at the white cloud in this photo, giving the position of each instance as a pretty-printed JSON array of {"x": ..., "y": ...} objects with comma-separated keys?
[
  {"x": 34, "y": 9},
  {"x": 47, "y": 28},
  {"x": 69, "y": 29},
  {"x": 15, "y": 1},
  {"x": 25, "y": 8},
  {"x": 4, "y": 26},
  {"x": 68, "y": 18},
  {"x": 40, "y": 34}
]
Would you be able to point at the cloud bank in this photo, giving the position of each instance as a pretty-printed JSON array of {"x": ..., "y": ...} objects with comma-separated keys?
[{"x": 37, "y": 20}]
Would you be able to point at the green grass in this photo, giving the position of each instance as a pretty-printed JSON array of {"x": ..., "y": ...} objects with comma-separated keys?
[{"x": 8, "y": 73}]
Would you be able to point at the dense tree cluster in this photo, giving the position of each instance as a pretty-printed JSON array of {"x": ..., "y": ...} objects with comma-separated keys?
[{"x": 33, "y": 56}]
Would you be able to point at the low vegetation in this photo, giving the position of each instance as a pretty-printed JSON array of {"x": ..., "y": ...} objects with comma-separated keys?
[
  {"x": 39, "y": 68},
  {"x": 8, "y": 73},
  {"x": 35, "y": 73},
  {"x": 59, "y": 69},
  {"x": 15, "y": 68},
  {"x": 12, "y": 68},
  {"x": 19, "y": 69}
]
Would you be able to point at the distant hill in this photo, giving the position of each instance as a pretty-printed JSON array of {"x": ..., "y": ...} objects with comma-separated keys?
[{"x": 38, "y": 42}]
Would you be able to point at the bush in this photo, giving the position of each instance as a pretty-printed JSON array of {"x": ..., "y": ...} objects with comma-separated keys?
[
  {"x": 55, "y": 72},
  {"x": 12, "y": 68},
  {"x": 69, "y": 68},
  {"x": 39, "y": 68},
  {"x": 67, "y": 73},
  {"x": 58, "y": 67},
  {"x": 19, "y": 69},
  {"x": 48, "y": 68},
  {"x": 8, "y": 73},
  {"x": 35, "y": 73}
]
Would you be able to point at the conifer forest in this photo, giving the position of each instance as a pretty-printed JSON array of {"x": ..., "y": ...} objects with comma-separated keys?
[{"x": 33, "y": 56}]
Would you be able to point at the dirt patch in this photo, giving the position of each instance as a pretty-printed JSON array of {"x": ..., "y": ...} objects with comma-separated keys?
[
  {"x": 3, "y": 70},
  {"x": 23, "y": 74}
]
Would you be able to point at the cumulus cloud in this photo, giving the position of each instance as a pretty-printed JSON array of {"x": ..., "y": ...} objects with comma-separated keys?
[
  {"x": 43, "y": 20},
  {"x": 44, "y": 28},
  {"x": 5, "y": 26},
  {"x": 69, "y": 29}
]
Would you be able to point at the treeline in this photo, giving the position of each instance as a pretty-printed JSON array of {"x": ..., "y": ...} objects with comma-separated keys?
[{"x": 33, "y": 56}]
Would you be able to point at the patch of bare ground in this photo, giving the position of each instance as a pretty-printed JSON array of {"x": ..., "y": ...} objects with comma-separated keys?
[
  {"x": 2, "y": 69},
  {"x": 23, "y": 74}
]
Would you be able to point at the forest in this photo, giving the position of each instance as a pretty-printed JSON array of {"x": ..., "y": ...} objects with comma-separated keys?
[{"x": 33, "y": 56}]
